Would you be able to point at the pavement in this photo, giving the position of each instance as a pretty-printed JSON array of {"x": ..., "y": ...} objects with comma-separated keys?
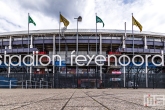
[{"x": 77, "y": 99}]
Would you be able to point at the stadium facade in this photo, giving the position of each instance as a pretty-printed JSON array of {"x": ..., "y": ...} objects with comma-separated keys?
[{"x": 105, "y": 42}]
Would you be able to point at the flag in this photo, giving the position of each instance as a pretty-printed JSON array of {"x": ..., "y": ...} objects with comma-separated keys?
[
  {"x": 31, "y": 21},
  {"x": 99, "y": 20},
  {"x": 64, "y": 20},
  {"x": 136, "y": 23}
]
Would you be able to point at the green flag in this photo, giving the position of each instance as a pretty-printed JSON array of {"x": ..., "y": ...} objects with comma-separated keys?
[
  {"x": 99, "y": 20},
  {"x": 31, "y": 21}
]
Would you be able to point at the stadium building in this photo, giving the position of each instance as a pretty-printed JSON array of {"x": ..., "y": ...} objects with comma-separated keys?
[{"x": 105, "y": 42}]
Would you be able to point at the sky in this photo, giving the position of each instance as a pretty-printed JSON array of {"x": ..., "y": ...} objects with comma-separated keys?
[{"x": 45, "y": 13}]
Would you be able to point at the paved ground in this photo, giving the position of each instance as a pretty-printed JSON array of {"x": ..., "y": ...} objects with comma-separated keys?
[{"x": 76, "y": 99}]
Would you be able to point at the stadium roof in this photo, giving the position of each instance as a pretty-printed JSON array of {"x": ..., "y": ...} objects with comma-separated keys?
[{"x": 82, "y": 31}]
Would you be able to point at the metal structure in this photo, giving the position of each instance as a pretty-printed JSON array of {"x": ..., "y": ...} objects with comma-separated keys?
[
  {"x": 112, "y": 42},
  {"x": 79, "y": 19}
]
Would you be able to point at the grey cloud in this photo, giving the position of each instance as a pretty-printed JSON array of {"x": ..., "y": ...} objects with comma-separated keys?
[
  {"x": 4, "y": 29},
  {"x": 128, "y": 1},
  {"x": 10, "y": 23},
  {"x": 69, "y": 8}
]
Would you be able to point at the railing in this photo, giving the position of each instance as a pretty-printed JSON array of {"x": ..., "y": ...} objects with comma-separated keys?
[
  {"x": 35, "y": 84},
  {"x": 24, "y": 84},
  {"x": 8, "y": 83}
]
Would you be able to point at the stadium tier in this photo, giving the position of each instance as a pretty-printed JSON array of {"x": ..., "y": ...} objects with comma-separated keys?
[{"x": 60, "y": 73}]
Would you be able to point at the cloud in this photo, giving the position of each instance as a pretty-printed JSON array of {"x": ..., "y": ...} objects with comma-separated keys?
[
  {"x": 52, "y": 8},
  {"x": 150, "y": 13}
]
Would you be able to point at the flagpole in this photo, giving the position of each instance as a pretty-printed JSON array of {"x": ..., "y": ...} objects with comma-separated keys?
[
  {"x": 96, "y": 50},
  {"x": 133, "y": 51},
  {"x": 59, "y": 39},
  {"x": 53, "y": 59},
  {"x": 28, "y": 33},
  {"x": 59, "y": 32},
  {"x": 133, "y": 35},
  {"x": 28, "y": 47},
  {"x": 96, "y": 35},
  {"x": 124, "y": 53},
  {"x": 100, "y": 39}
]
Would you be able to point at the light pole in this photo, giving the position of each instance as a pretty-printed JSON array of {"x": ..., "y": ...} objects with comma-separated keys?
[{"x": 79, "y": 19}]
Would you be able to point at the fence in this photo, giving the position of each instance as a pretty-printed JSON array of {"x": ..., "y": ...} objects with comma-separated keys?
[{"x": 24, "y": 84}]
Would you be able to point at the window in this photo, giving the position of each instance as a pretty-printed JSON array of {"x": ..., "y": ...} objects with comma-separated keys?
[{"x": 5, "y": 39}]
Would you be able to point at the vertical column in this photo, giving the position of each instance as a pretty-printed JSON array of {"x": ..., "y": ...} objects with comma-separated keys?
[
  {"x": 163, "y": 44},
  {"x": 145, "y": 42},
  {"x": 88, "y": 60},
  {"x": 31, "y": 42},
  {"x": 124, "y": 37},
  {"x": 8, "y": 71},
  {"x": 100, "y": 54},
  {"x": 30, "y": 72},
  {"x": 8, "y": 66},
  {"x": 31, "y": 68},
  {"x": 1, "y": 44},
  {"x": 124, "y": 69},
  {"x": 53, "y": 59},
  {"x": 10, "y": 41},
  {"x": 123, "y": 46},
  {"x": 162, "y": 53},
  {"x": 77, "y": 71},
  {"x": 146, "y": 70}
]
